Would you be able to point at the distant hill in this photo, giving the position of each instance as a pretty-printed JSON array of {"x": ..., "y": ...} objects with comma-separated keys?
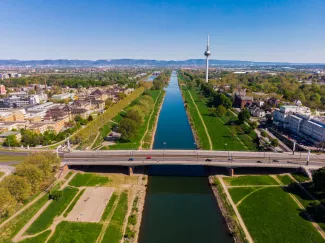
[{"x": 136, "y": 62}]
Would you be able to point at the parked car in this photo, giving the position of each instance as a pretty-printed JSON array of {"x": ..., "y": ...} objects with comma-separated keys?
[
  {"x": 259, "y": 161},
  {"x": 148, "y": 157},
  {"x": 131, "y": 159},
  {"x": 275, "y": 160},
  {"x": 208, "y": 160}
]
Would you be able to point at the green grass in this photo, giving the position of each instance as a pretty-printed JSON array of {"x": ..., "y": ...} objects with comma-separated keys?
[
  {"x": 238, "y": 193},
  {"x": 72, "y": 232},
  {"x": 114, "y": 232},
  {"x": 219, "y": 132},
  {"x": 88, "y": 179},
  {"x": 250, "y": 180},
  {"x": 300, "y": 177},
  {"x": 135, "y": 141},
  {"x": 9, "y": 230},
  {"x": 109, "y": 206},
  {"x": 41, "y": 238},
  {"x": 285, "y": 179},
  {"x": 1, "y": 174},
  {"x": 312, "y": 206},
  {"x": 54, "y": 209},
  {"x": 75, "y": 200},
  {"x": 271, "y": 215},
  {"x": 152, "y": 122},
  {"x": 68, "y": 175},
  {"x": 195, "y": 121}
]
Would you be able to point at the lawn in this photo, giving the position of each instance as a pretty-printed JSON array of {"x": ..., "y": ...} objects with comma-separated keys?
[
  {"x": 271, "y": 215},
  {"x": 312, "y": 206},
  {"x": 88, "y": 179},
  {"x": 41, "y": 238},
  {"x": 300, "y": 177},
  {"x": 68, "y": 175},
  {"x": 195, "y": 120},
  {"x": 1, "y": 174},
  {"x": 219, "y": 132},
  {"x": 9, "y": 230},
  {"x": 75, "y": 200},
  {"x": 54, "y": 209},
  {"x": 285, "y": 179},
  {"x": 250, "y": 180},
  {"x": 152, "y": 122},
  {"x": 114, "y": 232},
  {"x": 72, "y": 232},
  {"x": 109, "y": 206},
  {"x": 238, "y": 193}
]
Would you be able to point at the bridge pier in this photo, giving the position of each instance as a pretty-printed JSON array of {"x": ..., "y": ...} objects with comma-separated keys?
[
  {"x": 231, "y": 172},
  {"x": 131, "y": 168}
]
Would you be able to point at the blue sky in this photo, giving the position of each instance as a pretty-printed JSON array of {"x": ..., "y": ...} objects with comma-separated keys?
[{"x": 257, "y": 30}]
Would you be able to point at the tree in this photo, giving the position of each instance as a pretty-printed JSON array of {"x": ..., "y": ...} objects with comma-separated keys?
[
  {"x": 11, "y": 141},
  {"x": 263, "y": 133},
  {"x": 221, "y": 110},
  {"x": 18, "y": 187},
  {"x": 319, "y": 179},
  {"x": 121, "y": 95},
  {"x": 56, "y": 195},
  {"x": 7, "y": 202},
  {"x": 127, "y": 128},
  {"x": 32, "y": 173},
  {"x": 47, "y": 162},
  {"x": 135, "y": 116},
  {"x": 243, "y": 116},
  {"x": 274, "y": 142},
  {"x": 90, "y": 118},
  {"x": 213, "y": 111}
]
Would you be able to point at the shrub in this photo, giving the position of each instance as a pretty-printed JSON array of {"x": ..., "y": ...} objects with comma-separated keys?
[{"x": 55, "y": 195}]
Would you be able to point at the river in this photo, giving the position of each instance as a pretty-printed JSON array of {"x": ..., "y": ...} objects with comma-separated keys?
[{"x": 180, "y": 206}]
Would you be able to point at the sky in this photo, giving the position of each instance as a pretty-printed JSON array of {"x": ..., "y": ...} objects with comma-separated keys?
[{"x": 254, "y": 30}]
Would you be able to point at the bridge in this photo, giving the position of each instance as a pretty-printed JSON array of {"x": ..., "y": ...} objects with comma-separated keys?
[{"x": 228, "y": 159}]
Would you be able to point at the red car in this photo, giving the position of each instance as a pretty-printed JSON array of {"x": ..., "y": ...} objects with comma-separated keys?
[{"x": 148, "y": 157}]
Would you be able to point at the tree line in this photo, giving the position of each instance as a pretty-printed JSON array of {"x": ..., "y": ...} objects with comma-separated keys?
[
  {"x": 33, "y": 175},
  {"x": 162, "y": 80}
]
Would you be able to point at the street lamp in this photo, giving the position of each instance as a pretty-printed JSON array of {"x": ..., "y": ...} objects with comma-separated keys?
[
  {"x": 164, "y": 151},
  {"x": 227, "y": 149}
]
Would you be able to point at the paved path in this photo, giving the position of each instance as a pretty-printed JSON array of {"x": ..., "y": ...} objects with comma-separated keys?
[
  {"x": 205, "y": 128},
  {"x": 20, "y": 236},
  {"x": 7, "y": 170},
  {"x": 241, "y": 221}
]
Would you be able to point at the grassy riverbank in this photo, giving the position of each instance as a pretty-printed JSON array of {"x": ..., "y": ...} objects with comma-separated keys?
[
  {"x": 221, "y": 130},
  {"x": 143, "y": 134},
  {"x": 270, "y": 211}
]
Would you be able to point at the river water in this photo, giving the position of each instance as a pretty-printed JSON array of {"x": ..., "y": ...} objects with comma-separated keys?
[{"x": 180, "y": 206}]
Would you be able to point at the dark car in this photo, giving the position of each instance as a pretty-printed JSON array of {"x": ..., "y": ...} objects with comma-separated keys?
[
  {"x": 208, "y": 160},
  {"x": 131, "y": 159},
  {"x": 259, "y": 161},
  {"x": 275, "y": 160}
]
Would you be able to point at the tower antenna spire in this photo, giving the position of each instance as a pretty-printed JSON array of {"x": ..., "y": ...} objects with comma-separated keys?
[{"x": 207, "y": 53}]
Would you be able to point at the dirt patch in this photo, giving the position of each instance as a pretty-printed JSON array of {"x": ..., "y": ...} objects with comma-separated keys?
[{"x": 91, "y": 205}]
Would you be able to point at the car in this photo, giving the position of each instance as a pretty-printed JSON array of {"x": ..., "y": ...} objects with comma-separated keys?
[
  {"x": 111, "y": 134},
  {"x": 148, "y": 157},
  {"x": 208, "y": 160},
  {"x": 131, "y": 159},
  {"x": 259, "y": 161},
  {"x": 275, "y": 160}
]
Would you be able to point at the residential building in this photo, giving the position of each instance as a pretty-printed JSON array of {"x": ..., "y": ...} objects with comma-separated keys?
[
  {"x": 3, "y": 90},
  {"x": 4, "y": 135},
  {"x": 242, "y": 100},
  {"x": 65, "y": 96}
]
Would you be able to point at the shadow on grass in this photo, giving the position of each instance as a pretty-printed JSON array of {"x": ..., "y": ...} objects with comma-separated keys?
[{"x": 314, "y": 209}]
